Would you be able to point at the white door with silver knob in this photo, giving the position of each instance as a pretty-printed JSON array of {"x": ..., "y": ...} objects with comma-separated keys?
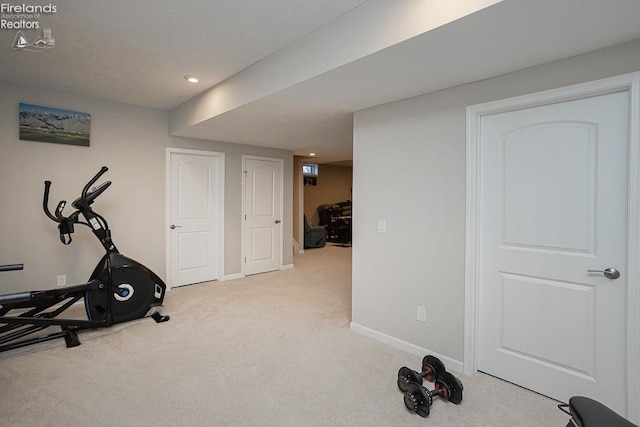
[
  {"x": 196, "y": 191},
  {"x": 262, "y": 228},
  {"x": 553, "y": 221}
]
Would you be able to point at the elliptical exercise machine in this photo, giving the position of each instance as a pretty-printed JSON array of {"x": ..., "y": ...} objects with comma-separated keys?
[{"x": 119, "y": 289}]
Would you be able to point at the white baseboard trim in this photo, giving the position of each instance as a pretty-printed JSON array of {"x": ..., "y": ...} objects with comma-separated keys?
[
  {"x": 232, "y": 277},
  {"x": 286, "y": 267},
  {"x": 450, "y": 363}
]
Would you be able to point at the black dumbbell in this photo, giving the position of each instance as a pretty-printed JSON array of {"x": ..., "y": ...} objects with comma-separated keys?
[
  {"x": 431, "y": 368},
  {"x": 419, "y": 400}
]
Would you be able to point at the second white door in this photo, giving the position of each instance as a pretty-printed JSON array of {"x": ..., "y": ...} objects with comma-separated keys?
[{"x": 262, "y": 243}]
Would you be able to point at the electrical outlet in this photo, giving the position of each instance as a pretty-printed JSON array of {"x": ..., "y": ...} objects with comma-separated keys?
[
  {"x": 61, "y": 280},
  {"x": 421, "y": 314}
]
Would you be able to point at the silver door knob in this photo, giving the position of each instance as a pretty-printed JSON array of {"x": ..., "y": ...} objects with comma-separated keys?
[
  {"x": 277, "y": 221},
  {"x": 609, "y": 273},
  {"x": 173, "y": 227}
]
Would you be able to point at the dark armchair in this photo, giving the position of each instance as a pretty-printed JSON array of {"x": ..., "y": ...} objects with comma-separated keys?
[{"x": 314, "y": 237}]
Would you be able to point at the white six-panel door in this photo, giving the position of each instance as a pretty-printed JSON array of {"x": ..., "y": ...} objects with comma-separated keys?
[
  {"x": 195, "y": 186},
  {"x": 554, "y": 206}
]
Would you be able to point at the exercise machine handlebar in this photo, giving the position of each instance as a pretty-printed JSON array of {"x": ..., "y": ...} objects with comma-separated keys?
[
  {"x": 82, "y": 203},
  {"x": 83, "y": 207},
  {"x": 45, "y": 202},
  {"x": 85, "y": 190}
]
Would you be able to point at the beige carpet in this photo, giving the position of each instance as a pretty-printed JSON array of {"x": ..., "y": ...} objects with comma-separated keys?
[{"x": 268, "y": 350}]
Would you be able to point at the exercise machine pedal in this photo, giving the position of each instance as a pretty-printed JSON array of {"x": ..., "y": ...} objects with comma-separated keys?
[{"x": 159, "y": 318}]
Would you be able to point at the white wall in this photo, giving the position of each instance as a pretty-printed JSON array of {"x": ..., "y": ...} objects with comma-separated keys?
[
  {"x": 409, "y": 169},
  {"x": 131, "y": 141}
]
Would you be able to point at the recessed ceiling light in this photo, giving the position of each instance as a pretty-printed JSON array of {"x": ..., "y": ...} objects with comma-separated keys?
[
  {"x": 312, "y": 154},
  {"x": 191, "y": 79}
]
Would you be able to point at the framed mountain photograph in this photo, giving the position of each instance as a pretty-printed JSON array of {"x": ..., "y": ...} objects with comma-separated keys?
[{"x": 46, "y": 124}]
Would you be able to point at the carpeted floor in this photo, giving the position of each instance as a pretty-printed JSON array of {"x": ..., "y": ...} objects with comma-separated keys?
[{"x": 272, "y": 349}]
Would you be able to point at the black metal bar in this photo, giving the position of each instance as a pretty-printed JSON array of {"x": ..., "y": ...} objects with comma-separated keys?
[
  {"x": 32, "y": 341},
  {"x": 47, "y": 298},
  {"x": 31, "y": 313},
  {"x": 11, "y": 267},
  {"x": 83, "y": 324},
  {"x": 61, "y": 292},
  {"x": 63, "y": 307},
  {"x": 16, "y": 298},
  {"x": 7, "y": 328},
  {"x": 21, "y": 333}
]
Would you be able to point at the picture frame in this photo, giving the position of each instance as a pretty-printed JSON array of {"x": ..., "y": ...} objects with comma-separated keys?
[{"x": 54, "y": 125}]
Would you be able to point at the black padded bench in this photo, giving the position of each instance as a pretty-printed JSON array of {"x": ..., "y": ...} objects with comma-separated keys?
[{"x": 587, "y": 412}]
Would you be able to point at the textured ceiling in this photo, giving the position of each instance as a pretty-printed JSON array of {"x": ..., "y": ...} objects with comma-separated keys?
[{"x": 138, "y": 51}]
